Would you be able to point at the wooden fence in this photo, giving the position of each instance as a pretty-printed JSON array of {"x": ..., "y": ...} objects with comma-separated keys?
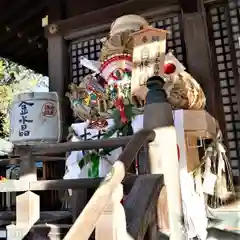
[{"x": 104, "y": 207}]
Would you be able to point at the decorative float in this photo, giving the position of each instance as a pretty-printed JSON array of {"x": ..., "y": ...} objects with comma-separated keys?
[{"x": 110, "y": 103}]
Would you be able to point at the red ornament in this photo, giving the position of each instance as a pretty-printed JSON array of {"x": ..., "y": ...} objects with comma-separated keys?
[
  {"x": 178, "y": 152},
  {"x": 120, "y": 106},
  {"x": 169, "y": 68}
]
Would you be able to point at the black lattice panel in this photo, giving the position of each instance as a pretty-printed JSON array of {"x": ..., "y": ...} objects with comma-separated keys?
[
  {"x": 91, "y": 49},
  {"x": 226, "y": 76},
  {"x": 174, "y": 38},
  {"x": 234, "y": 12}
]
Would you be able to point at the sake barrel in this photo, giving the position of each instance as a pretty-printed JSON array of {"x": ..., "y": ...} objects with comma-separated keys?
[{"x": 35, "y": 118}]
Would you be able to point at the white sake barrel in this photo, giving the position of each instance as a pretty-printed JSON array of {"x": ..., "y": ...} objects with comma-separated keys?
[{"x": 35, "y": 118}]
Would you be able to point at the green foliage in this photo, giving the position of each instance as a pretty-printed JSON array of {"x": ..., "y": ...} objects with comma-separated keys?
[{"x": 14, "y": 79}]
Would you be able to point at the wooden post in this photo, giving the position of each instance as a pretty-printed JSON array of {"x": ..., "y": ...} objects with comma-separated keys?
[
  {"x": 199, "y": 58},
  {"x": 28, "y": 171},
  {"x": 58, "y": 63},
  {"x": 27, "y": 204},
  {"x": 163, "y": 151}
]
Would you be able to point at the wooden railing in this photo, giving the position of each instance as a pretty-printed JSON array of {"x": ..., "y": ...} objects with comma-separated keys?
[{"x": 105, "y": 203}]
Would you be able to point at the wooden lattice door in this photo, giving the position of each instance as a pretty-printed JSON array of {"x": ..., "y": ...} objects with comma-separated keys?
[{"x": 224, "y": 33}]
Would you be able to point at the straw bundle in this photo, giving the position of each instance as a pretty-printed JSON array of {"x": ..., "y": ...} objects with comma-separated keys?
[
  {"x": 119, "y": 40},
  {"x": 182, "y": 89},
  {"x": 184, "y": 92}
]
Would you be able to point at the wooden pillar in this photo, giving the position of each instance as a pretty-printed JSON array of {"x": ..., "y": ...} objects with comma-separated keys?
[
  {"x": 58, "y": 74},
  {"x": 199, "y": 53},
  {"x": 58, "y": 63},
  {"x": 163, "y": 152},
  {"x": 59, "y": 80},
  {"x": 58, "y": 66}
]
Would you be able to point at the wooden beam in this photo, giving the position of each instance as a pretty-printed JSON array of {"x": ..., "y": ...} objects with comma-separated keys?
[
  {"x": 23, "y": 31},
  {"x": 189, "y": 6},
  {"x": 56, "y": 10},
  {"x": 26, "y": 15},
  {"x": 13, "y": 10},
  {"x": 137, "y": 141},
  {"x": 60, "y": 184},
  {"x": 106, "y": 15}
]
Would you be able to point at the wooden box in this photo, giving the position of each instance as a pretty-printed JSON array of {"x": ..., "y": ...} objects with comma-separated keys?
[{"x": 190, "y": 125}]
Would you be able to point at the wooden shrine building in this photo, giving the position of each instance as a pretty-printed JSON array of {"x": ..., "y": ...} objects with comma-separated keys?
[{"x": 205, "y": 36}]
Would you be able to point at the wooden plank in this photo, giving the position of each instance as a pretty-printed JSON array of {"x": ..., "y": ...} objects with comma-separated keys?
[
  {"x": 60, "y": 184},
  {"x": 138, "y": 221},
  {"x": 77, "y": 146},
  {"x": 87, "y": 145},
  {"x": 106, "y": 15},
  {"x": 163, "y": 215}
]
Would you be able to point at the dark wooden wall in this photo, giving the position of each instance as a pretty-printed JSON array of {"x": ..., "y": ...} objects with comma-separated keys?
[{"x": 74, "y": 7}]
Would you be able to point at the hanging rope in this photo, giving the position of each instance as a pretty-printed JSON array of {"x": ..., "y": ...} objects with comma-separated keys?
[{"x": 217, "y": 163}]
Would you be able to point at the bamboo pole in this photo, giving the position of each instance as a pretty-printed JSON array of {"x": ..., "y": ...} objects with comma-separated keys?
[{"x": 85, "y": 223}]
